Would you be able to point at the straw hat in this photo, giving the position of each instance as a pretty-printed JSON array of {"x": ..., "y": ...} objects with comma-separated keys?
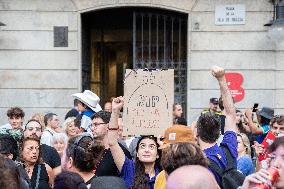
[{"x": 90, "y": 99}]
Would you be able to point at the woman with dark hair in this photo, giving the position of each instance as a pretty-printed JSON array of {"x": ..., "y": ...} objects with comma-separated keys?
[
  {"x": 141, "y": 174},
  {"x": 276, "y": 161},
  {"x": 241, "y": 127},
  {"x": 82, "y": 155},
  {"x": 38, "y": 172}
]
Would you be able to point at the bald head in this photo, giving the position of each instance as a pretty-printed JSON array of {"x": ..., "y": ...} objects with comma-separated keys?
[{"x": 200, "y": 177}]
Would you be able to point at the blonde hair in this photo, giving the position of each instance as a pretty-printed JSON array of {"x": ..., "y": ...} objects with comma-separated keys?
[
  {"x": 246, "y": 142},
  {"x": 40, "y": 118},
  {"x": 67, "y": 122}
]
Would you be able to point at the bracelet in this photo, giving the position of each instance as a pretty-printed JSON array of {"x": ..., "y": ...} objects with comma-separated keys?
[{"x": 113, "y": 129}]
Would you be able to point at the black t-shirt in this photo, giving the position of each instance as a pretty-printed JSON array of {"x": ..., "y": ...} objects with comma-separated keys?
[
  {"x": 107, "y": 166},
  {"x": 50, "y": 156}
]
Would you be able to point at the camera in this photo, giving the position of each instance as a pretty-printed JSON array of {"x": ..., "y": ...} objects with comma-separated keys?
[{"x": 254, "y": 109}]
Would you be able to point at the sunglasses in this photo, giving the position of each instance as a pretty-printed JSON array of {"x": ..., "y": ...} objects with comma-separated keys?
[{"x": 37, "y": 129}]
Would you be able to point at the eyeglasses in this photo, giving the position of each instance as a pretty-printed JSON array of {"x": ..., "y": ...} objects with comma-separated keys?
[
  {"x": 37, "y": 129},
  {"x": 97, "y": 124}
]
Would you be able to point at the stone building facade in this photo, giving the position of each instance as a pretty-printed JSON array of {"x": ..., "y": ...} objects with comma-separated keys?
[{"x": 40, "y": 76}]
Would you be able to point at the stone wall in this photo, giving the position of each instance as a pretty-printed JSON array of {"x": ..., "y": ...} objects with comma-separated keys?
[
  {"x": 246, "y": 49},
  {"x": 35, "y": 75},
  {"x": 39, "y": 77}
]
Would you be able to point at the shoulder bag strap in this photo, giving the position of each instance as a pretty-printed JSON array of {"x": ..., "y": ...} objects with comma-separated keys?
[
  {"x": 230, "y": 160},
  {"x": 38, "y": 176},
  {"x": 215, "y": 167},
  {"x": 50, "y": 132}
]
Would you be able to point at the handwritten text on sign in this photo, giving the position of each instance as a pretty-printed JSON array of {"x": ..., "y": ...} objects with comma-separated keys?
[
  {"x": 148, "y": 102},
  {"x": 230, "y": 14}
]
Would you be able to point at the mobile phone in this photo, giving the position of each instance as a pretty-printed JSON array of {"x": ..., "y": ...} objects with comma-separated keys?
[{"x": 254, "y": 109}]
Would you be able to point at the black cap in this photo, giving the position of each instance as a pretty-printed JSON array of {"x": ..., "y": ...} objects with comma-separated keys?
[{"x": 214, "y": 100}]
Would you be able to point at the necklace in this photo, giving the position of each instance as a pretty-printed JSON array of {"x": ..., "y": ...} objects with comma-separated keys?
[
  {"x": 29, "y": 169},
  {"x": 99, "y": 162}
]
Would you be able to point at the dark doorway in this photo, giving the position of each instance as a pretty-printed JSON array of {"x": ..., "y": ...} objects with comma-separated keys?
[
  {"x": 117, "y": 39},
  {"x": 108, "y": 39}
]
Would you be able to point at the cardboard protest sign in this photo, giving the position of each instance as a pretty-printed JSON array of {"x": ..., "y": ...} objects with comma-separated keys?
[{"x": 148, "y": 101}]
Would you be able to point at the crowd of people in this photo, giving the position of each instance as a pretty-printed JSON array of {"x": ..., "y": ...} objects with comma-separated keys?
[{"x": 224, "y": 148}]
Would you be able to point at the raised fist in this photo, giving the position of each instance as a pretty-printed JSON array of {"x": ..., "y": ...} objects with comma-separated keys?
[
  {"x": 218, "y": 72},
  {"x": 117, "y": 103}
]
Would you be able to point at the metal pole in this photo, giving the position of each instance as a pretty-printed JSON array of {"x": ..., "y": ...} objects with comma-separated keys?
[{"x": 134, "y": 39}]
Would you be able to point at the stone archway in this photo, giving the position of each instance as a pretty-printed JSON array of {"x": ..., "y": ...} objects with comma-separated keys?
[{"x": 116, "y": 36}]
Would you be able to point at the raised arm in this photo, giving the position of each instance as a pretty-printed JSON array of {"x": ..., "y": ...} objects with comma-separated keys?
[
  {"x": 230, "y": 111},
  {"x": 117, "y": 152},
  {"x": 253, "y": 126}
]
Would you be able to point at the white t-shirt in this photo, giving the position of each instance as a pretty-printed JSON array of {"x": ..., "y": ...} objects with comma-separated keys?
[{"x": 47, "y": 136}]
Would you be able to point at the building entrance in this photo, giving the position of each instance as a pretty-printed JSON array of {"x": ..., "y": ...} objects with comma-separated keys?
[{"x": 117, "y": 39}]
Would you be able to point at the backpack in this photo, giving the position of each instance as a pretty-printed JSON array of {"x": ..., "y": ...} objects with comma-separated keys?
[{"x": 231, "y": 177}]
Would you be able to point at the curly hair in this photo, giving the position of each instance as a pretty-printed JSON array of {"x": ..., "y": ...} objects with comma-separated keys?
[
  {"x": 279, "y": 119},
  {"x": 140, "y": 178},
  {"x": 85, "y": 152},
  {"x": 70, "y": 180},
  {"x": 15, "y": 112},
  {"x": 208, "y": 127},
  {"x": 180, "y": 154},
  {"x": 22, "y": 145},
  {"x": 67, "y": 122}
]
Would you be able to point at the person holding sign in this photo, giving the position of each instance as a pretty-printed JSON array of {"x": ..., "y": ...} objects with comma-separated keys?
[{"x": 142, "y": 173}]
